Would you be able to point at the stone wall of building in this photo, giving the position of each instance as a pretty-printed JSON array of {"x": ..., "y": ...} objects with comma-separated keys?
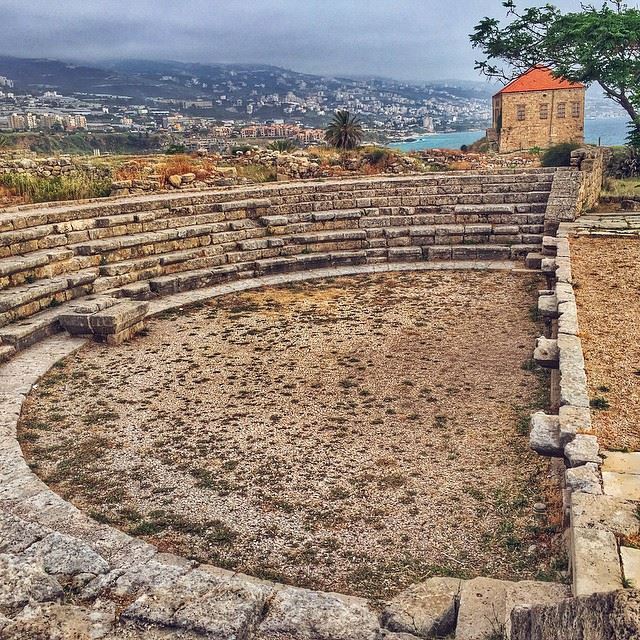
[{"x": 534, "y": 130}]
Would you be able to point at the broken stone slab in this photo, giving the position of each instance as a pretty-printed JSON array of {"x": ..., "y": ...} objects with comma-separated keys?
[
  {"x": 585, "y": 479},
  {"x": 618, "y": 462},
  {"x": 621, "y": 485},
  {"x": 92, "y": 304},
  {"x": 581, "y": 450},
  {"x": 544, "y": 437},
  {"x": 310, "y": 615},
  {"x": 428, "y": 609},
  {"x": 64, "y": 556},
  {"x": 604, "y": 512},
  {"x": 595, "y": 561},
  {"x": 24, "y": 580},
  {"x": 117, "y": 318},
  {"x": 548, "y": 306},
  {"x": 482, "y": 611},
  {"x": 531, "y": 592},
  {"x": 546, "y": 353},
  {"x": 631, "y": 566},
  {"x": 573, "y": 421},
  {"x": 110, "y": 321}
]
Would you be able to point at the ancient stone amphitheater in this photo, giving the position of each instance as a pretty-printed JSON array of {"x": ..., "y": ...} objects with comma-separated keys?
[{"x": 72, "y": 272}]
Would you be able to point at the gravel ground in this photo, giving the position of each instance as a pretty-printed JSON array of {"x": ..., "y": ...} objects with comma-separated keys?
[
  {"x": 607, "y": 274},
  {"x": 354, "y": 435}
]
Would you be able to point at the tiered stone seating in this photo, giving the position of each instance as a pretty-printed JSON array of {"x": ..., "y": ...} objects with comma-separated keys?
[{"x": 150, "y": 246}]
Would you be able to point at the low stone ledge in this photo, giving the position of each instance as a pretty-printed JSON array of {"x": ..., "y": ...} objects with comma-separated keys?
[
  {"x": 601, "y": 616},
  {"x": 103, "y": 321},
  {"x": 573, "y": 378}
]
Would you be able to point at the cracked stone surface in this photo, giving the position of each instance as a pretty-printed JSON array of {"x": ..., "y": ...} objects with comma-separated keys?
[
  {"x": 24, "y": 581},
  {"x": 427, "y": 609}
]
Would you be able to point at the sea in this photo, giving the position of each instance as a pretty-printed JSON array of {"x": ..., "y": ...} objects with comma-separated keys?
[{"x": 604, "y": 131}]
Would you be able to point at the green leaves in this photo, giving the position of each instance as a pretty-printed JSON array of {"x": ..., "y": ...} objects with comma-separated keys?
[
  {"x": 599, "y": 45},
  {"x": 344, "y": 131}
]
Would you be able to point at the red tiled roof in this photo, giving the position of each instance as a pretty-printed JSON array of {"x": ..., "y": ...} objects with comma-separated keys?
[{"x": 539, "y": 78}]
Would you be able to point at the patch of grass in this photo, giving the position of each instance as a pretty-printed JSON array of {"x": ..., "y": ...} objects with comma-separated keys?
[
  {"x": 34, "y": 189},
  {"x": 599, "y": 403}
]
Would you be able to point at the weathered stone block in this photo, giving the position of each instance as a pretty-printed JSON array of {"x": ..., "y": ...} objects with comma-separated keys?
[
  {"x": 428, "y": 609},
  {"x": 595, "y": 561}
]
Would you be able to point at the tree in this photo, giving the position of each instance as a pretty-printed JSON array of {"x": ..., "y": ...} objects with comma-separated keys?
[
  {"x": 594, "y": 45},
  {"x": 344, "y": 131}
]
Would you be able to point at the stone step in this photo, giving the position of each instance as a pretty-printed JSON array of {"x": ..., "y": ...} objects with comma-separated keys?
[
  {"x": 7, "y": 351},
  {"x": 24, "y": 333},
  {"x": 16, "y": 298},
  {"x": 533, "y": 260},
  {"x": 478, "y": 609}
]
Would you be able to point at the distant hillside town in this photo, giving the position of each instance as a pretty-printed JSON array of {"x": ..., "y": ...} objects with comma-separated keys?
[{"x": 215, "y": 103}]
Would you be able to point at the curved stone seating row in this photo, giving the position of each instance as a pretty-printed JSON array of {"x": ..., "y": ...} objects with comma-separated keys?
[{"x": 150, "y": 246}]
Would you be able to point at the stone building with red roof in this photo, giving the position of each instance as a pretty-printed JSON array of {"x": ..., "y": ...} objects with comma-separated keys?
[{"x": 537, "y": 110}]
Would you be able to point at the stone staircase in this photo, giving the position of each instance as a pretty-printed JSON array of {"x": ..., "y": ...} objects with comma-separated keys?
[{"x": 146, "y": 247}]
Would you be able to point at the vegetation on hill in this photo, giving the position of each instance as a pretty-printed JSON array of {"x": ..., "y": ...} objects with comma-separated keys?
[
  {"x": 84, "y": 143},
  {"x": 594, "y": 45}
]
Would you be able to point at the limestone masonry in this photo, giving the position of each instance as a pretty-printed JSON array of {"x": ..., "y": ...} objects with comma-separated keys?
[
  {"x": 537, "y": 110},
  {"x": 99, "y": 268}
]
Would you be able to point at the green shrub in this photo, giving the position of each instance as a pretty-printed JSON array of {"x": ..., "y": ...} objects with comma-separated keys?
[
  {"x": 175, "y": 149},
  {"x": 558, "y": 155},
  {"x": 282, "y": 145},
  {"x": 34, "y": 189},
  {"x": 378, "y": 156}
]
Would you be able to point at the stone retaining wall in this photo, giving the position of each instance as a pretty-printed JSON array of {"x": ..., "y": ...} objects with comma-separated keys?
[
  {"x": 51, "y": 167},
  {"x": 576, "y": 189}
]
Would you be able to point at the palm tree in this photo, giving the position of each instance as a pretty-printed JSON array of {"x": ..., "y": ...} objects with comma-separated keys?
[
  {"x": 344, "y": 131},
  {"x": 282, "y": 145}
]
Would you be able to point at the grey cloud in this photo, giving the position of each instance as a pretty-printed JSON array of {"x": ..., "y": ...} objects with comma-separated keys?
[{"x": 405, "y": 39}]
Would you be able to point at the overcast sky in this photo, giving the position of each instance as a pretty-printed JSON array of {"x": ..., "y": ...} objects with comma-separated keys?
[{"x": 404, "y": 39}]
